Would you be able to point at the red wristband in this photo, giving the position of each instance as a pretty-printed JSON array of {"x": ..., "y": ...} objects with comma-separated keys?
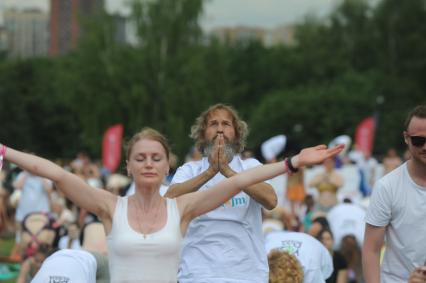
[
  {"x": 289, "y": 171},
  {"x": 2, "y": 154}
]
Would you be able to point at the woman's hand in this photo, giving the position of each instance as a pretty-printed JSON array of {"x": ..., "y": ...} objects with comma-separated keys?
[{"x": 315, "y": 155}]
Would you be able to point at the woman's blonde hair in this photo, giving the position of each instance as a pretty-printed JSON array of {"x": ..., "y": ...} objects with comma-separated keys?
[
  {"x": 199, "y": 128},
  {"x": 150, "y": 134},
  {"x": 284, "y": 268}
]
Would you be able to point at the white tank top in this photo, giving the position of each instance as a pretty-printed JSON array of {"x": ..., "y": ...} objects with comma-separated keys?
[{"x": 133, "y": 258}]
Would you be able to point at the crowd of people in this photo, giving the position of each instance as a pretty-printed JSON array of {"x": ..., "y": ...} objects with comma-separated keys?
[{"x": 318, "y": 215}]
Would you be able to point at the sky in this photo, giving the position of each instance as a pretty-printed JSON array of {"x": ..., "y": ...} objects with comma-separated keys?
[{"x": 261, "y": 13}]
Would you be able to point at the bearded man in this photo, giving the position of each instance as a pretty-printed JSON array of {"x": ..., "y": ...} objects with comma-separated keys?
[{"x": 226, "y": 244}]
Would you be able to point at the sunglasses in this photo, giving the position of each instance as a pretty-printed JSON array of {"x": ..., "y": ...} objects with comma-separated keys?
[{"x": 417, "y": 141}]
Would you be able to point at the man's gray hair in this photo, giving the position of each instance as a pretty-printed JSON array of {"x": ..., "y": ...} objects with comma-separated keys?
[{"x": 199, "y": 128}]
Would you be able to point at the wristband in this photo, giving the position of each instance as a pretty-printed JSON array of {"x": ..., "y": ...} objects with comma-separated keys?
[
  {"x": 2, "y": 154},
  {"x": 289, "y": 172},
  {"x": 291, "y": 167}
]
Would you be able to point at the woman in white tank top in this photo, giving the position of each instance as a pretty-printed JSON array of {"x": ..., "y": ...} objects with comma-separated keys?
[{"x": 144, "y": 231}]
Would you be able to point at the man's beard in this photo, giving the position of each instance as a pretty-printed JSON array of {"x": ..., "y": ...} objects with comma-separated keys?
[
  {"x": 417, "y": 157},
  {"x": 229, "y": 149}
]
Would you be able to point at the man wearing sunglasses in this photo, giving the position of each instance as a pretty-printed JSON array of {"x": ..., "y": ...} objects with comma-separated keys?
[{"x": 397, "y": 211}]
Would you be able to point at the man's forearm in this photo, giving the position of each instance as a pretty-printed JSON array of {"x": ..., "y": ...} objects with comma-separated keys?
[
  {"x": 371, "y": 249},
  {"x": 190, "y": 186},
  {"x": 371, "y": 266},
  {"x": 263, "y": 193}
]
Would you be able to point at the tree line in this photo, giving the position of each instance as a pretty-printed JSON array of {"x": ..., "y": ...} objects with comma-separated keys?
[{"x": 359, "y": 61}]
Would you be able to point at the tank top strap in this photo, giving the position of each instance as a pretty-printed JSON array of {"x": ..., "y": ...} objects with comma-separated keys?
[
  {"x": 173, "y": 211},
  {"x": 120, "y": 212},
  {"x": 122, "y": 204}
]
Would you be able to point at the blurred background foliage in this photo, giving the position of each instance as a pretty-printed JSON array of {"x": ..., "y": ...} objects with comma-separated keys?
[{"x": 359, "y": 61}]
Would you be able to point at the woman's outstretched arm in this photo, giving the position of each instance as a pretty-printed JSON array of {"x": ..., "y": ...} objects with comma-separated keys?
[
  {"x": 94, "y": 200},
  {"x": 201, "y": 202}
]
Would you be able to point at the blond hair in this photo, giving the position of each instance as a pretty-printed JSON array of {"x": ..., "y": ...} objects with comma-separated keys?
[
  {"x": 284, "y": 268},
  {"x": 149, "y": 134},
  {"x": 199, "y": 128}
]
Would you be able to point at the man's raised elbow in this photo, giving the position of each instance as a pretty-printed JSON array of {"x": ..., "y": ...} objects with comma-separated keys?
[
  {"x": 271, "y": 203},
  {"x": 170, "y": 192}
]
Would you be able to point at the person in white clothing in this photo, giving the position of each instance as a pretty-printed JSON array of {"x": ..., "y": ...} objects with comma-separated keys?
[
  {"x": 34, "y": 197},
  {"x": 68, "y": 266},
  {"x": 144, "y": 231},
  {"x": 86, "y": 265},
  {"x": 236, "y": 226},
  {"x": 313, "y": 256},
  {"x": 347, "y": 219},
  {"x": 397, "y": 212}
]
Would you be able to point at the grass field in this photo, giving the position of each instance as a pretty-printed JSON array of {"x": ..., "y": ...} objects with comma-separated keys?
[{"x": 6, "y": 245}]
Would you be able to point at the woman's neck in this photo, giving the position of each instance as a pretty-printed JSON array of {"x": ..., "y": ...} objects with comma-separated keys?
[{"x": 148, "y": 197}]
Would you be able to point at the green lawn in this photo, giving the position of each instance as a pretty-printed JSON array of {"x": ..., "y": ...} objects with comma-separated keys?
[{"x": 6, "y": 245}]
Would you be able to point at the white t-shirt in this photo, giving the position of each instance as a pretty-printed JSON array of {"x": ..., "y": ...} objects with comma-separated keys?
[
  {"x": 313, "y": 256},
  {"x": 70, "y": 266},
  {"x": 279, "y": 184},
  {"x": 399, "y": 204},
  {"x": 33, "y": 198},
  {"x": 346, "y": 219},
  {"x": 226, "y": 244}
]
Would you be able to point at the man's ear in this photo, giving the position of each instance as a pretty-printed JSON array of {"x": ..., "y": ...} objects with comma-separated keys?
[{"x": 405, "y": 134}]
